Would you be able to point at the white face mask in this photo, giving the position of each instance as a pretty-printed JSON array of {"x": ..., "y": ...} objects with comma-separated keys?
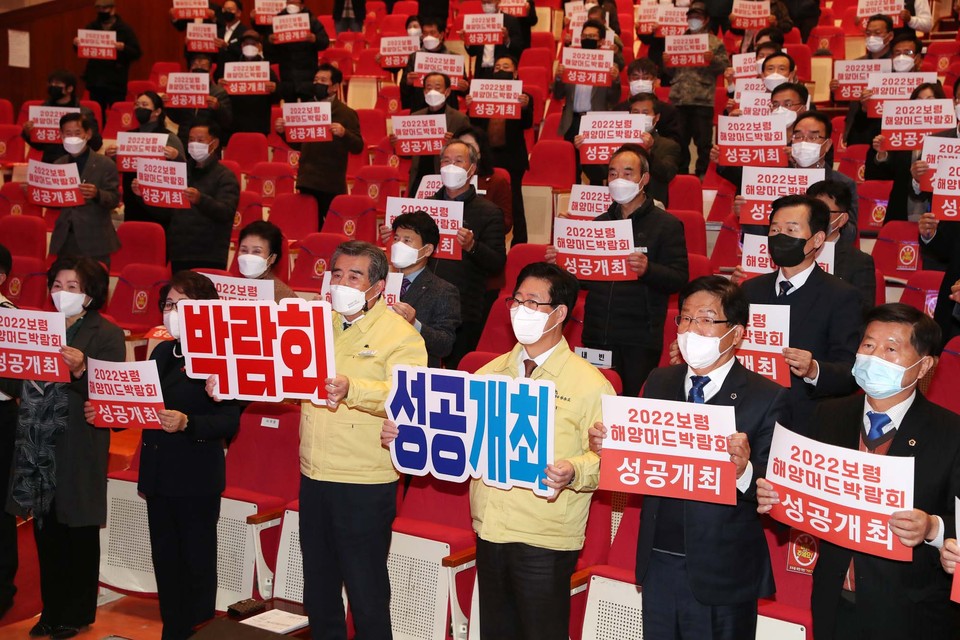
[
  {"x": 199, "y": 151},
  {"x": 529, "y": 326},
  {"x": 641, "y": 86},
  {"x": 293, "y": 8},
  {"x": 403, "y": 255},
  {"x": 250, "y": 50},
  {"x": 791, "y": 115},
  {"x": 695, "y": 24},
  {"x": 879, "y": 378},
  {"x": 69, "y": 303},
  {"x": 700, "y": 351},
  {"x": 74, "y": 145},
  {"x": 431, "y": 42},
  {"x": 434, "y": 98},
  {"x": 805, "y": 154},
  {"x": 874, "y": 44},
  {"x": 171, "y": 322},
  {"x": 623, "y": 191},
  {"x": 903, "y": 63},
  {"x": 489, "y": 7},
  {"x": 453, "y": 177},
  {"x": 414, "y": 32},
  {"x": 252, "y": 266},
  {"x": 346, "y": 300},
  {"x": 774, "y": 80}
]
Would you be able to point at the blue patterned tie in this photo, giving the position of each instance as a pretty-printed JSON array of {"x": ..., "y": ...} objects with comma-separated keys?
[
  {"x": 696, "y": 391},
  {"x": 877, "y": 422},
  {"x": 404, "y": 286},
  {"x": 785, "y": 286}
]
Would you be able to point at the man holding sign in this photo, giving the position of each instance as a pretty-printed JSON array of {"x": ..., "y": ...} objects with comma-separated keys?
[
  {"x": 106, "y": 80},
  {"x": 855, "y": 594},
  {"x": 62, "y": 92},
  {"x": 711, "y": 559}
]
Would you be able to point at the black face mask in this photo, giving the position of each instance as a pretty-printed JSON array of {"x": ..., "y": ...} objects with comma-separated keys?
[
  {"x": 502, "y": 75},
  {"x": 142, "y": 114},
  {"x": 104, "y": 16},
  {"x": 55, "y": 92},
  {"x": 589, "y": 43},
  {"x": 786, "y": 251},
  {"x": 321, "y": 91},
  {"x": 199, "y": 70},
  {"x": 228, "y": 16}
]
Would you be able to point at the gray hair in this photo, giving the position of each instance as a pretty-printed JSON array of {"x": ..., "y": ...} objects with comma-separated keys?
[
  {"x": 379, "y": 267},
  {"x": 474, "y": 154}
]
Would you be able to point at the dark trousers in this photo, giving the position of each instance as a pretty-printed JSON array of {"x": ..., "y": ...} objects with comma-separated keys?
[
  {"x": 8, "y": 523},
  {"x": 595, "y": 173},
  {"x": 696, "y": 124},
  {"x": 106, "y": 96},
  {"x": 671, "y": 612},
  {"x": 524, "y": 591},
  {"x": 468, "y": 335},
  {"x": 345, "y": 532},
  {"x": 632, "y": 363},
  {"x": 183, "y": 536},
  {"x": 69, "y": 571},
  {"x": 900, "y": 617},
  {"x": 71, "y": 248},
  {"x": 323, "y": 198}
]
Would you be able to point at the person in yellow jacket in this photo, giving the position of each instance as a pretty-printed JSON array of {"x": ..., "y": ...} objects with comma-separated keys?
[
  {"x": 527, "y": 546},
  {"x": 348, "y": 486}
]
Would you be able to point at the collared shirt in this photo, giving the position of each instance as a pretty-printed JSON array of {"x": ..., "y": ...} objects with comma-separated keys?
[
  {"x": 488, "y": 58},
  {"x": 413, "y": 276},
  {"x": 228, "y": 31},
  {"x": 717, "y": 378},
  {"x": 540, "y": 359},
  {"x": 582, "y": 95},
  {"x": 797, "y": 281}
]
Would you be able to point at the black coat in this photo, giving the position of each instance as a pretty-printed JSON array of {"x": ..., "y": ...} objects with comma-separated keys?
[
  {"x": 113, "y": 74},
  {"x": 53, "y": 152},
  {"x": 945, "y": 246},
  {"x": 513, "y": 155},
  {"x": 856, "y": 267},
  {"x": 437, "y": 303},
  {"x": 515, "y": 48}
]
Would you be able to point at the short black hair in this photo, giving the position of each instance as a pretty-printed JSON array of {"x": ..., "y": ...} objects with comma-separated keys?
[
  {"x": 736, "y": 307},
  {"x": 6, "y": 261},
  {"x": 201, "y": 56},
  {"x": 193, "y": 285},
  {"x": 782, "y": 54},
  {"x": 596, "y": 24},
  {"x": 936, "y": 87},
  {"x": 68, "y": 78},
  {"x": 796, "y": 87},
  {"x": 93, "y": 277},
  {"x": 157, "y": 103},
  {"x": 645, "y": 65},
  {"x": 638, "y": 151},
  {"x": 925, "y": 335},
  {"x": 777, "y": 48},
  {"x": 67, "y": 118},
  {"x": 269, "y": 232},
  {"x": 832, "y": 189},
  {"x": 512, "y": 58},
  {"x": 648, "y": 97},
  {"x": 433, "y": 21},
  {"x": 879, "y": 17},
  {"x": 820, "y": 117},
  {"x": 907, "y": 37},
  {"x": 421, "y": 224},
  {"x": 446, "y": 78},
  {"x": 412, "y": 19},
  {"x": 204, "y": 120},
  {"x": 336, "y": 76},
  {"x": 563, "y": 285},
  {"x": 817, "y": 212},
  {"x": 379, "y": 265},
  {"x": 775, "y": 35}
]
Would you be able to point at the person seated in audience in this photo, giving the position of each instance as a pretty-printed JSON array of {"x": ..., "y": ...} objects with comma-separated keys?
[
  {"x": 508, "y": 146},
  {"x": 940, "y": 239},
  {"x": 411, "y": 96},
  {"x": 62, "y": 92},
  {"x": 298, "y": 60},
  {"x": 644, "y": 77},
  {"x": 492, "y": 185},
  {"x": 527, "y": 545},
  {"x": 219, "y": 106},
  {"x": 151, "y": 117},
  {"x": 87, "y": 230},
  {"x": 486, "y": 55},
  {"x": 260, "y": 256},
  {"x": 106, "y": 80},
  {"x": 199, "y": 237},
  {"x": 436, "y": 91},
  {"x": 251, "y": 113},
  {"x": 429, "y": 303},
  {"x": 626, "y": 318},
  {"x": 9, "y": 393},
  {"x": 578, "y": 99},
  {"x": 322, "y": 172},
  {"x": 60, "y": 461},
  {"x": 904, "y": 202}
]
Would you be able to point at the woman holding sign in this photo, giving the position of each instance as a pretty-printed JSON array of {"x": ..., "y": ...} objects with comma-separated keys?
[
  {"x": 60, "y": 461},
  {"x": 183, "y": 473},
  {"x": 260, "y": 254}
]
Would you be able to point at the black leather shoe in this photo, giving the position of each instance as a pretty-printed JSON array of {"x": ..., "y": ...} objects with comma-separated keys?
[
  {"x": 40, "y": 630},
  {"x": 63, "y": 632}
]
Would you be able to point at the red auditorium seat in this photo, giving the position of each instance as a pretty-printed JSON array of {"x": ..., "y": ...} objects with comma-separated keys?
[{"x": 316, "y": 249}]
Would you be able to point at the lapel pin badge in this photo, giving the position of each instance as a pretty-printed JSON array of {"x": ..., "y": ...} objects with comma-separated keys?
[
  {"x": 912, "y": 442},
  {"x": 733, "y": 396}
]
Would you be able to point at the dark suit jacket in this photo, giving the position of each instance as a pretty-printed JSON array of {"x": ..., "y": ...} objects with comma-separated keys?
[
  {"x": 601, "y": 99},
  {"x": 437, "y": 303},
  {"x": 513, "y": 155},
  {"x": 91, "y": 221},
  {"x": 668, "y": 125},
  {"x": 825, "y": 319},
  {"x": 323, "y": 165},
  {"x": 857, "y": 268},
  {"x": 664, "y": 165},
  {"x": 188, "y": 462},
  {"x": 517, "y": 44},
  {"x": 727, "y": 557},
  {"x": 232, "y": 52},
  {"x": 945, "y": 246},
  {"x": 931, "y": 435}
]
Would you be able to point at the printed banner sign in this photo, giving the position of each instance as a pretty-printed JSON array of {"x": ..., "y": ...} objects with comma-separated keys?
[
  {"x": 645, "y": 17},
  {"x": 201, "y": 37},
  {"x": 586, "y": 66},
  {"x": 291, "y": 27},
  {"x": 125, "y": 395},
  {"x": 419, "y": 135},
  {"x": 46, "y": 122},
  {"x": 162, "y": 183},
  {"x": 749, "y": 14},
  {"x": 431, "y": 183},
  {"x": 396, "y": 50},
  {"x": 670, "y": 449},
  {"x": 742, "y": 85},
  {"x": 671, "y": 20},
  {"x": 852, "y": 76},
  {"x": 755, "y": 260},
  {"x": 606, "y": 131},
  {"x": 187, "y": 90},
  {"x": 132, "y": 145},
  {"x": 246, "y": 78},
  {"x": 893, "y": 86},
  {"x": 447, "y": 214},
  {"x": 744, "y": 65},
  {"x": 946, "y": 190},
  {"x": 752, "y": 141},
  {"x": 594, "y": 250},
  {"x": 761, "y": 186},
  {"x": 757, "y": 104},
  {"x": 30, "y": 343},
  {"x": 448, "y": 64},
  {"x": 515, "y": 8},
  {"x": 495, "y": 99},
  {"x": 94, "y": 44},
  {"x": 307, "y": 121},
  {"x": 53, "y": 185},
  {"x": 905, "y": 123},
  {"x": 934, "y": 150},
  {"x": 190, "y": 9},
  {"x": 447, "y": 429},
  {"x": 265, "y": 10},
  {"x": 687, "y": 51},
  {"x": 587, "y": 202},
  {"x": 482, "y": 29},
  {"x": 840, "y": 495},
  {"x": 260, "y": 350},
  {"x": 233, "y": 288},
  {"x": 892, "y": 8},
  {"x": 768, "y": 332}
]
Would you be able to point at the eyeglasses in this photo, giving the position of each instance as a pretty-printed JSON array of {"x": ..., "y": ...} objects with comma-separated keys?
[
  {"x": 529, "y": 305},
  {"x": 701, "y": 323},
  {"x": 785, "y": 105},
  {"x": 799, "y": 136},
  {"x": 168, "y": 305}
]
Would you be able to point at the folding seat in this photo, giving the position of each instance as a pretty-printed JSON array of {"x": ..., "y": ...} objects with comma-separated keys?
[
  {"x": 136, "y": 87},
  {"x": 140, "y": 242},
  {"x": 13, "y": 201},
  {"x": 940, "y": 54},
  {"x": 802, "y": 57},
  {"x": 388, "y": 100},
  {"x": 726, "y": 250},
  {"x": 896, "y": 246},
  {"x": 519, "y": 256},
  {"x": 384, "y": 154},
  {"x": 723, "y": 201},
  {"x": 366, "y": 66},
  {"x": 828, "y": 38},
  {"x": 134, "y": 304},
  {"x": 694, "y": 228},
  {"x": 538, "y": 57},
  {"x": 853, "y": 161},
  {"x": 686, "y": 193},
  {"x": 472, "y": 361},
  {"x": 786, "y": 615},
  {"x": 235, "y": 169},
  {"x": 280, "y": 151},
  {"x": 497, "y": 335},
  {"x": 24, "y": 113},
  {"x": 669, "y": 334},
  {"x": 12, "y": 145},
  {"x": 394, "y": 24},
  {"x": 270, "y": 179},
  {"x": 922, "y": 289},
  {"x": 295, "y": 214},
  {"x": 543, "y": 40},
  {"x": 406, "y": 7},
  {"x": 873, "y": 196},
  {"x": 881, "y": 287},
  {"x": 373, "y": 126},
  {"x": 6, "y": 111},
  {"x": 315, "y": 251},
  {"x": 120, "y": 117},
  {"x": 377, "y": 8},
  {"x": 160, "y": 70},
  {"x": 943, "y": 386},
  {"x": 552, "y": 171},
  {"x": 247, "y": 149},
  {"x": 249, "y": 209},
  {"x": 379, "y": 183},
  {"x": 534, "y": 75},
  {"x": 349, "y": 40},
  {"x": 355, "y": 216},
  {"x": 26, "y": 284},
  {"x": 24, "y": 235},
  {"x": 340, "y": 58},
  {"x": 551, "y": 124}
]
